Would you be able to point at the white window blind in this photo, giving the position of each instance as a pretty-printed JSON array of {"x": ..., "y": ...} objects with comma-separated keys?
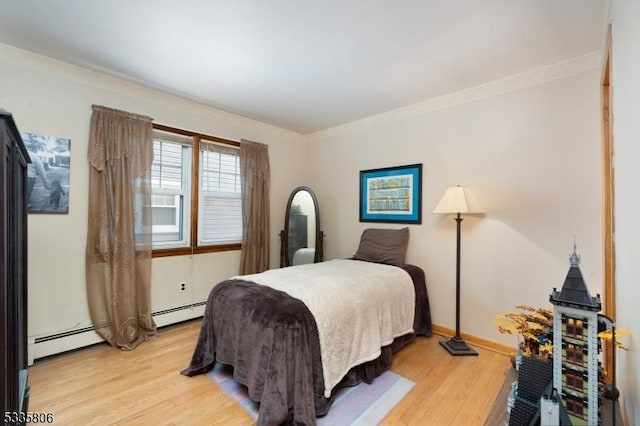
[
  {"x": 166, "y": 170},
  {"x": 220, "y": 210}
]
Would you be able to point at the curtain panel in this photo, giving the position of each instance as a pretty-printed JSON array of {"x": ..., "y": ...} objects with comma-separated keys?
[
  {"x": 255, "y": 181},
  {"x": 118, "y": 252}
]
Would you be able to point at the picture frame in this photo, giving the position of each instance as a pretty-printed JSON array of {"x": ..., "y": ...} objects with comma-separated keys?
[
  {"x": 48, "y": 173},
  {"x": 391, "y": 194}
]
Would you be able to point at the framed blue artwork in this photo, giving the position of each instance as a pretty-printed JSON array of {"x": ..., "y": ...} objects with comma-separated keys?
[{"x": 391, "y": 194}]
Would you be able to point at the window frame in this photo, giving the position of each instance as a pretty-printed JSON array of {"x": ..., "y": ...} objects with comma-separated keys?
[
  {"x": 575, "y": 381},
  {"x": 574, "y": 354},
  {"x": 220, "y": 193},
  {"x": 575, "y": 328},
  {"x": 194, "y": 248},
  {"x": 575, "y": 407}
]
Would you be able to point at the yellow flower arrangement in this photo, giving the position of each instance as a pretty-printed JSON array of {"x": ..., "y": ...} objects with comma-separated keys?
[
  {"x": 535, "y": 325},
  {"x": 620, "y": 333}
]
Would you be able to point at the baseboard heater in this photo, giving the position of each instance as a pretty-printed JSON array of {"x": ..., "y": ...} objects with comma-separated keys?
[
  {"x": 85, "y": 336},
  {"x": 64, "y": 334}
]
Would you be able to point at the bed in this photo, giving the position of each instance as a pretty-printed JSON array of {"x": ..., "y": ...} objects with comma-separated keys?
[{"x": 283, "y": 330}]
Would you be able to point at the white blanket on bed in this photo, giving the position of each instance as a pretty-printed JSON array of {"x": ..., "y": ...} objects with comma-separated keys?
[{"x": 358, "y": 307}]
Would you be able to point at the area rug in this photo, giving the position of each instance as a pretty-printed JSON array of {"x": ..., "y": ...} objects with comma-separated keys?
[{"x": 364, "y": 404}]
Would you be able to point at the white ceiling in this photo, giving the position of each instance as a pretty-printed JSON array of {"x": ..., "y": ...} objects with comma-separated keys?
[{"x": 307, "y": 65}]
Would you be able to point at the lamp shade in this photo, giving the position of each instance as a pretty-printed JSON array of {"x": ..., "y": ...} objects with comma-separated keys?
[{"x": 458, "y": 199}]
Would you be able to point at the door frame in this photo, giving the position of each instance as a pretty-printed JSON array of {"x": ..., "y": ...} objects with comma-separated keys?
[{"x": 608, "y": 228}]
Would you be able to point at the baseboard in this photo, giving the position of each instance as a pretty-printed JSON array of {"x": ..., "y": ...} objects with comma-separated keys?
[
  {"x": 476, "y": 341},
  {"x": 178, "y": 314},
  {"x": 52, "y": 344}
]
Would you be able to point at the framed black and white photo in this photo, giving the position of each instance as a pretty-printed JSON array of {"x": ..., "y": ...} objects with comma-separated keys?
[
  {"x": 391, "y": 194},
  {"x": 48, "y": 173}
]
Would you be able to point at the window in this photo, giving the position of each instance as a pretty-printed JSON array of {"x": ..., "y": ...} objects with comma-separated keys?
[
  {"x": 575, "y": 407},
  {"x": 220, "y": 213},
  {"x": 575, "y": 381},
  {"x": 575, "y": 328},
  {"x": 574, "y": 354},
  {"x": 195, "y": 201},
  {"x": 170, "y": 191}
]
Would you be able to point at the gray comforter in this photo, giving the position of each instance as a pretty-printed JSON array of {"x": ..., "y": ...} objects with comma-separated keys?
[{"x": 272, "y": 342}]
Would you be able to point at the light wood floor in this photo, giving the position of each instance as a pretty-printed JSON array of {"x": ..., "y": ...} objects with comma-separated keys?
[{"x": 101, "y": 385}]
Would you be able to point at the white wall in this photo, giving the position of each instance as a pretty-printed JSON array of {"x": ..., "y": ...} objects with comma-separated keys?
[
  {"x": 532, "y": 157},
  {"x": 52, "y": 98},
  {"x": 625, "y": 83}
]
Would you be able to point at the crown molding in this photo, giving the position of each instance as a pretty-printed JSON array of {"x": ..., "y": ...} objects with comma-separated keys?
[
  {"x": 128, "y": 88},
  {"x": 574, "y": 66}
]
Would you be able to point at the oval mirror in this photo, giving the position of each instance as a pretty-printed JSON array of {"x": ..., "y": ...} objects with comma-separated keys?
[{"x": 301, "y": 239}]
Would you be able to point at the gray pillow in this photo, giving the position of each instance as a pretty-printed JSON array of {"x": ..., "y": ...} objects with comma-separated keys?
[{"x": 383, "y": 246}]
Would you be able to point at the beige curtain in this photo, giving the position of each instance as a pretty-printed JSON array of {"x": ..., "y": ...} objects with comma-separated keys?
[
  {"x": 255, "y": 180},
  {"x": 118, "y": 257}
]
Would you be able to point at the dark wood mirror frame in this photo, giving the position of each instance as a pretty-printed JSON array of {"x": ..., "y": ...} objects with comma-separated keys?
[{"x": 285, "y": 258}]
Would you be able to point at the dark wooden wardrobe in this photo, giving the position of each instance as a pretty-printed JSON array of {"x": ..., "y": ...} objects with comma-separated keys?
[{"x": 14, "y": 385}]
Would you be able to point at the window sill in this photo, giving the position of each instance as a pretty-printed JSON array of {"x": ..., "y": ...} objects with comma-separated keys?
[{"x": 185, "y": 251}]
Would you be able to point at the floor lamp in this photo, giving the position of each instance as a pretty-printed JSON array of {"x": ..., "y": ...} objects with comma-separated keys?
[{"x": 458, "y": 200}]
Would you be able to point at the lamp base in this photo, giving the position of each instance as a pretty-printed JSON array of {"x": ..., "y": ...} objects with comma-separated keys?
[{"x": 457, "y": 347}]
